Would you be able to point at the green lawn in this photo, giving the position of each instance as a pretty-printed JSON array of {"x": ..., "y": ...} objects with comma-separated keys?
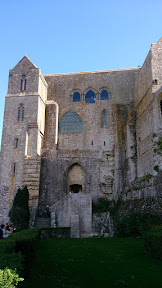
[{"x": 95, "y": 262}]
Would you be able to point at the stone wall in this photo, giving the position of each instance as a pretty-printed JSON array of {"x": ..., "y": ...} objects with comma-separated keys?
[{"x": 148, "y": 121}]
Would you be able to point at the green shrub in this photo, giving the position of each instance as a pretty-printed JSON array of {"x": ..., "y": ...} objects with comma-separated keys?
[
  {"x": 153, "y": 244},
  {"x": 135, "y": 224},
  {"x": 101, "y": 206},
  {"x": 9, "y": 257},
  {"x": 9, "y": 278},
  {"x": 25, "y": 242},
  {"x": 19, "y": 213}
]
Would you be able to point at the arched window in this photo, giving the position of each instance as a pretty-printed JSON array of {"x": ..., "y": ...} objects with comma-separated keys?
[
  {"x": 76, "y": 97},
  {"x": 20, "y": 116},
  {"x": 23, "y": 83},
  {"x": 90, "y": 97},
  {"x": 104, "y": 119},
  {"x": 70, "y": 123},
  {"x": 104, "y": 95}
]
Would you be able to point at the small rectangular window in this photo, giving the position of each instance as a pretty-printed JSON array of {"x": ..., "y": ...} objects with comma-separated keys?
[
  {"x": 14, "y": 169},
  {"x": 161, "y": 106},
  {"x": 92, "y": 142},
  {"x": 104, "y": 143},
  {"x": 16, "y": 142}
]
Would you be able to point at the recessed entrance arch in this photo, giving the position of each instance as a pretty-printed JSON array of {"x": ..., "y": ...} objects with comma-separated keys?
[{"x": 76, "y": 179}]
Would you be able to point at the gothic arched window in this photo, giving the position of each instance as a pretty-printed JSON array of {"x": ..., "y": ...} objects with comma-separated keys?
[
  {"x": 104, "y": 95},
  {"x": 90, "y": 97},
  {"x": 76, "y": 97},
  {"x": 23, "y": 83},
  {"x": 70, "y": 123},
  {"x": 104, "y": 119},
  {"x": 20, "y": 116}
]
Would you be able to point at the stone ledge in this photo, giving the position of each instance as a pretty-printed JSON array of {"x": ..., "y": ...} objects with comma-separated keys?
[{"x": 60, "y": 232}]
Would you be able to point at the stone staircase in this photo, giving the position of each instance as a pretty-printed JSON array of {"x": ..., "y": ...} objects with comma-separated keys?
[
  {"x": 42, "y": 222},
  {"x": 31, "y": 178}
]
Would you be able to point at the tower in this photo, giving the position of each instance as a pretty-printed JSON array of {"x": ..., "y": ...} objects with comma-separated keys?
[{"x": 23, "y": 130}]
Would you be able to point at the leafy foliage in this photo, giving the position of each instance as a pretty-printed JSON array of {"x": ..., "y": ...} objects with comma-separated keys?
[
  {"x": 26, "y": 242},
  {"x": 9, "y": 257},
  {"x": 153, "y": 243},
  {"x": 135, "y": 224},
  {"x": 19, "y": 213},
  {"x": 9, "y": 278}
]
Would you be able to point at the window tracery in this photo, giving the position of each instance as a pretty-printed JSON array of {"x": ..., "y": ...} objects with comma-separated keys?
[
  {"x": 70, "y": 123},
  {"x": 20, "y": 116}
]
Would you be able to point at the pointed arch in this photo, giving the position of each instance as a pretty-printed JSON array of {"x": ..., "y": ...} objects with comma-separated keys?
[
  {"x": 90, "y": 96},
  {"x": 104, "y": 94},
  {"x": 76, "y": 96},
  {"x": 75, "y": 178}
]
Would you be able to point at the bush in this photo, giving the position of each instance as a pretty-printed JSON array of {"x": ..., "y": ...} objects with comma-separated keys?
[
  {"x": 25, "y": 242},
  {"x": 9, "y": 257},
  {"x": 9, "y": 278},
  {"x": 153, "y": 244},
  {"x": 101, "y": 206},
  {"x": 135, "y": 224},
  {"x": 17, "y": 250},
  {"x": 19, "y": 213}
]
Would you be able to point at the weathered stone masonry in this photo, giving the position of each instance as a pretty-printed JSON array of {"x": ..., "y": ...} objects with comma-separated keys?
[{"x": 73, "y": 138}]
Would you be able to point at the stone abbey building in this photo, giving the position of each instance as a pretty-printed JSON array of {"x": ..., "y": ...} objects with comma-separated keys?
[{"x": 74, "y": 138}]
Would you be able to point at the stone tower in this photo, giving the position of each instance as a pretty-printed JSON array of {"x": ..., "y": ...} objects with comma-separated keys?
[{"x": 23, "y": 129}]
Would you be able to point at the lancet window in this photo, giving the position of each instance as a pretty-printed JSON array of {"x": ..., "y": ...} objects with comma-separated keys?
[{"x": 20, "y": 116}]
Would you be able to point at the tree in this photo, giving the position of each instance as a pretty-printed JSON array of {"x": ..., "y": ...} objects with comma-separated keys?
[{"x": 19, "y": 213}]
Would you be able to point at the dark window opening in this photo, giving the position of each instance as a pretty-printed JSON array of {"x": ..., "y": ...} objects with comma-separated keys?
[
  {"x": 18, "y": 117},
  {"x": 76, "y": 97},
  {"x": 161, "y": 106},
  {"x": 104, "y": 143},
  {"x": 23, "y": 83},
  {"x": 104, "y": 95},
  {"x": 76, "y": 188},
  {"x": 90, "y": 97},
  {"x": 16, "y": 142},
  {"x": 155, "y": 81},
  {"x": 14, "y": 169},
  {"x": 92, "y": 142}
]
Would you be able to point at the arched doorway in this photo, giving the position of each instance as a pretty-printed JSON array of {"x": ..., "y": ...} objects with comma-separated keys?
[{"x": 76, "y": 179}]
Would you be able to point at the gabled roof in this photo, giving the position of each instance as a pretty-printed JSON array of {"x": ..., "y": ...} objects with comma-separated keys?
[{"x": 25, "y": 58}]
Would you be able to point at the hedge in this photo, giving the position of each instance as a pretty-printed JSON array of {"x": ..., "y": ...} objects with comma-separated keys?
[
  {"x": 17, "y": 250},
  {"x": 135, "y": 224},
  {"x": 153, "y": 243}
]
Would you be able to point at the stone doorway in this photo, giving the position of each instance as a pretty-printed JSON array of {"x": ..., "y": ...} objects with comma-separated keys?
[{"x": 76, "y": 179}]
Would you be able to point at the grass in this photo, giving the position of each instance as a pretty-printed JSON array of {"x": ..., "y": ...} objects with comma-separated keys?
[{"x": 95, "y": 262}]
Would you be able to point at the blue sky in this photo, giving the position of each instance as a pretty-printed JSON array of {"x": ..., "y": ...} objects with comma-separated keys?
[{"x": 62, "y": 36}]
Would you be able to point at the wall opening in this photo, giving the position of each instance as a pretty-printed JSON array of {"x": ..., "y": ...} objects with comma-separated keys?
[
  {"x": 76, "y": 188},
  {"x": 161, "y": 106},
  {"x": 76, "y": 179}
]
